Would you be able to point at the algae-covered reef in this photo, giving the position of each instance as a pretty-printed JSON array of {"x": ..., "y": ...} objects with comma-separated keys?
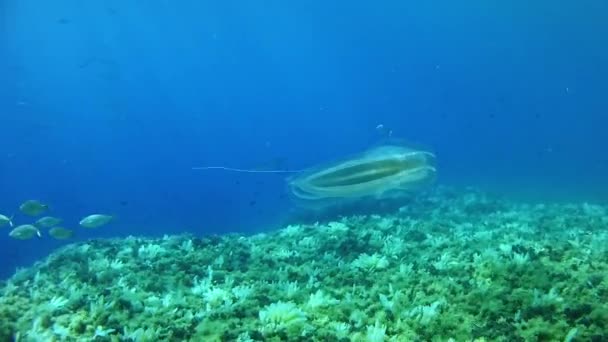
[{"x": 450, "y": 265}]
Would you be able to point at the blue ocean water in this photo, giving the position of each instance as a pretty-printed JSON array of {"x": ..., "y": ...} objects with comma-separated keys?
[{"x": 106, "y": 106}]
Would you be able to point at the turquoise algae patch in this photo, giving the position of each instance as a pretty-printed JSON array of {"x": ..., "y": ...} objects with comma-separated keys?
[{"x": 450, "y": 266}]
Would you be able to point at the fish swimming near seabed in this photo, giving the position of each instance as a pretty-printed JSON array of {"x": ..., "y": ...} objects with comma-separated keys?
[
  {"x": 24, "y": 232},
  {"x": 33, "y": 207},
  {"x": 48, "y": 221},
  {"x": 6, "y": 220},
  {"x": 61, "y": 233},
  {"x": 95, "y": 220}
]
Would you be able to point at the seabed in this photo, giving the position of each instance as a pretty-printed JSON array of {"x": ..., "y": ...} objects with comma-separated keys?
[{"x": 449, "y": 266}]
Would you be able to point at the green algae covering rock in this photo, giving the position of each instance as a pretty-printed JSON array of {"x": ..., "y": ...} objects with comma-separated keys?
[{"x": 450, "y": 266}]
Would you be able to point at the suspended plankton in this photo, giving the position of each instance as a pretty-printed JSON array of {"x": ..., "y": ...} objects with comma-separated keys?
[{"x": 378, "y": 172}]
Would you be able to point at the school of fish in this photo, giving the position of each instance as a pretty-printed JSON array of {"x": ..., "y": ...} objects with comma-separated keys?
[{"x": 35, "y": 208}]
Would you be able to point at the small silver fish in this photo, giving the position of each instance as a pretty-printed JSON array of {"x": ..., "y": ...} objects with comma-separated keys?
[
  {"x": 5, "y": 219},
  {"x": 24, "y": 232},
  {"x": 33, "y": 207},
  {"x": 48, "y": 221},
  {"x": 95, "y": 220},
  {"x": 60, "y": 233}
]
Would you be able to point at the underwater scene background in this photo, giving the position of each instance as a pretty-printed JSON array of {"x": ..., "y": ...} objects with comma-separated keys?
[{"x": 106, "y": 106}]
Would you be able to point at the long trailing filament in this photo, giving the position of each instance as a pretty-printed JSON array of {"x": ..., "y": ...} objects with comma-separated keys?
[{"x": 225, "y": 168}]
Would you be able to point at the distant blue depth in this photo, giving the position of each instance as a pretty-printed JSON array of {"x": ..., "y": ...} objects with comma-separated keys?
[{"x": 105, "y": 106}]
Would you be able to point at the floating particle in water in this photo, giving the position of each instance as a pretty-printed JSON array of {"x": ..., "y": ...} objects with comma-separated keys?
[{"x": 384, "y": 131}]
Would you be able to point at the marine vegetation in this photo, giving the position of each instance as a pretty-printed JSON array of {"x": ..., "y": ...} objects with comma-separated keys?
[{"x": 447, "y": 266}]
